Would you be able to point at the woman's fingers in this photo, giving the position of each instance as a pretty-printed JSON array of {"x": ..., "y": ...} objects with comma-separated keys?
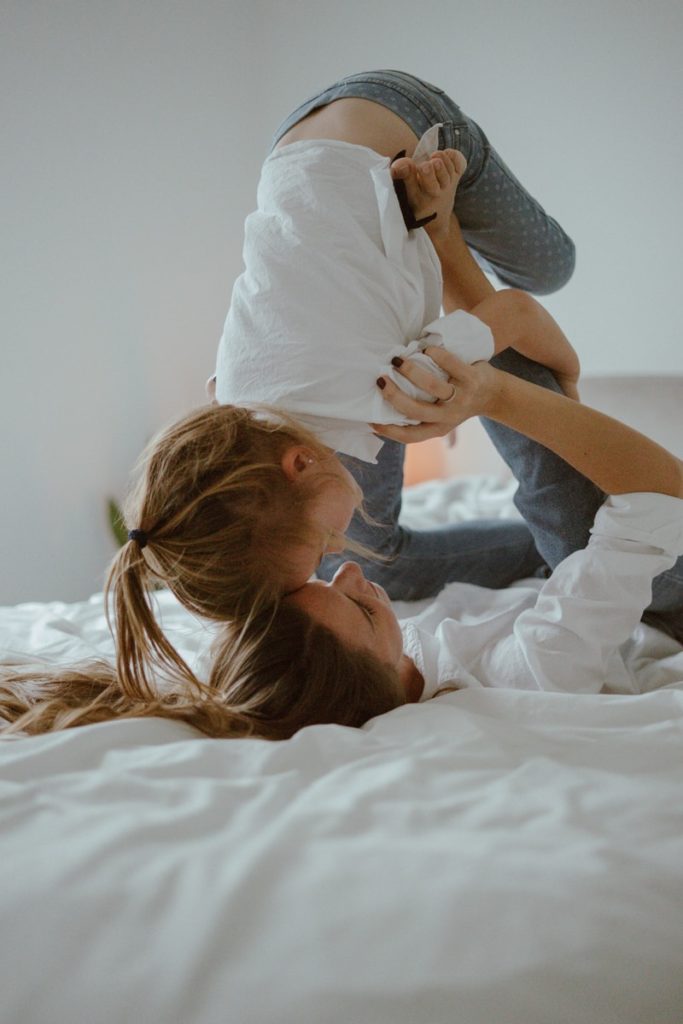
[
  {"x": 402, "y": 402},
  {"x": 471, "y": 389},
  {"x": 453, "y": 366},
  {"x": 441, "y": 390},
  {"x": 423, "y": 412}
]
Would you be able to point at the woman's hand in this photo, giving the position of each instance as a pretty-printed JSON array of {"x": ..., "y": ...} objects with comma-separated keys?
[
  {"x": 431, "y": 186},
  {"x": 469, "y": 391}
]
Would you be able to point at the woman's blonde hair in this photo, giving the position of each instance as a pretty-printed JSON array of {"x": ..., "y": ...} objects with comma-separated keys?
[
  {"x": 214, "y": 518},
  {"x": 269, "y": 678},
  {"x": 219, "y": 520}
]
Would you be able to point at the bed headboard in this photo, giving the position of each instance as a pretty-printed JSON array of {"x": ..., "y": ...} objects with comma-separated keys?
[{"x": 651, "y": 404}]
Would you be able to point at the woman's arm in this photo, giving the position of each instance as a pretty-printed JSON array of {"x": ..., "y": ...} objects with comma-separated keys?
[{"x": 615, "y": 457}]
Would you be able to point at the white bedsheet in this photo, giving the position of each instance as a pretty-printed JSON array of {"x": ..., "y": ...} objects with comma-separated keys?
[{"x": 485, "y": 858}]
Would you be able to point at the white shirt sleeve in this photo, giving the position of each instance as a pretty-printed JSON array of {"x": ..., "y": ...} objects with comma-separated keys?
[{"x": 594, "y": 599}]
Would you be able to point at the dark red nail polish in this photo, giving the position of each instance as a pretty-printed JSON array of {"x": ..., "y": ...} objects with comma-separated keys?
[
  {"x": 397, "y": 361},
  {"x": 381, "y": 383}
]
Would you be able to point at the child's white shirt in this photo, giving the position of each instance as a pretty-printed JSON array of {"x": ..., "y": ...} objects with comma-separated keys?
[{"x": 334, "y": 286}]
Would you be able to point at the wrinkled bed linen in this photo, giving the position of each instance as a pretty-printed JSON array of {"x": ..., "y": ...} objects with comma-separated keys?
[{"x": 485, "y": 856}]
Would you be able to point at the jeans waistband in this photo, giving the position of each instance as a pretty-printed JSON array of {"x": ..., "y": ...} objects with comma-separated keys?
[{"x": 415, "y": 101}]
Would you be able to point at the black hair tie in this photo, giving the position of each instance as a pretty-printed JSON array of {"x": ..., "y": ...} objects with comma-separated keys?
[{"x": 138, "y": 535}]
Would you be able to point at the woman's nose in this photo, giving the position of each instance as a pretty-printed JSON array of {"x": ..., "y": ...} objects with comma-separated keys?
[
  {"x": 349, "y": 572},
  {"x": 335, "y": 544}
]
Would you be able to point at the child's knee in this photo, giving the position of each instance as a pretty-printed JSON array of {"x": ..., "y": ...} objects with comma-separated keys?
[{"x": 554, "y": 274}]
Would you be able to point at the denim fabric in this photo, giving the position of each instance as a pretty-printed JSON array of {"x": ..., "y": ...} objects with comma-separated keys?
[
  {"x": 418, "y": 563},
  {"x": 511, "y": 233},
  {"x": 559, "y": 504},
  {"x": 527, "y": 249},
  {"x": 502, "y": 223}
]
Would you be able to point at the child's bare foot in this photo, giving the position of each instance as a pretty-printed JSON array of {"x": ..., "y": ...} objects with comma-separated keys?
[{"x": 431, "y": 185}]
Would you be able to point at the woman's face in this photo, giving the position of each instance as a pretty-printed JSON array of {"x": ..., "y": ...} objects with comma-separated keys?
[
  {"x": 330, "y": 513},
  {"x": 357, "y": 611}
]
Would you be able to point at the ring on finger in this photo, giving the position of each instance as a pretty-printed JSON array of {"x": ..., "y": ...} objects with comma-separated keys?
[{"x": 447, "y": 401}]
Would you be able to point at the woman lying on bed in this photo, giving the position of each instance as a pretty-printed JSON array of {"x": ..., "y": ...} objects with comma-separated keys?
[
  {"x": 236, "y": 507},
  {"x": 233, "y": 509},
  {"x": 573, "y": 633},
  {"x": 334, "y": 652}
]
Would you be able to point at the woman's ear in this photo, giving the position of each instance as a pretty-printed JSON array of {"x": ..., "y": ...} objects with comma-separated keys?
[{"x": 296, "y": 461}]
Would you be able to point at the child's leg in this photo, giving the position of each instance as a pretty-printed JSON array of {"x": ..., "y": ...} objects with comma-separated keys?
[
  {"x": 489, "y": 553},
  {"x": 502, "y": 222},
  {"x": 559, "y": 504},
  {"x": 528, "y": 250},
  {"x": 524, "y": 246}
]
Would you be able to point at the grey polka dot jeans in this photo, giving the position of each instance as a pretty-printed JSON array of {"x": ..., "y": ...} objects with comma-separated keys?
[
  {"x": 513, "y": 236},
  {"x": 525, "y": 248},
  {"x": 509, "y": 231}
]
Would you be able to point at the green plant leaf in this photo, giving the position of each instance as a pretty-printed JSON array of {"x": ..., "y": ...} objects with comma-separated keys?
[{"x": 116, "y": 523}]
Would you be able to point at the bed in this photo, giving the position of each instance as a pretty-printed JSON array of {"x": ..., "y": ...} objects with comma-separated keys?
[{"x": 488, "y": 856}]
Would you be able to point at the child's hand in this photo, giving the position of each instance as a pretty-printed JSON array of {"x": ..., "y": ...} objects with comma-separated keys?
[{"x": 431, "y": 186}]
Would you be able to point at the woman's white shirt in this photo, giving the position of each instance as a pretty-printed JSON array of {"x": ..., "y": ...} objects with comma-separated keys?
[
  {"x": 573, "y": 632},
  {"x": 334, "y": 286}
]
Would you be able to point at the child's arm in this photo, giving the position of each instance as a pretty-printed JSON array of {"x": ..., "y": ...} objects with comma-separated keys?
[
  {"x": 516, "y": 319},
  {"x": 612, "y": 455}
]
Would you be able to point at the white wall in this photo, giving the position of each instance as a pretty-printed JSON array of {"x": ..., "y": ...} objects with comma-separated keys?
[
  {"x": 132, "y": 138},
  {"x": 122, "y": 218}
]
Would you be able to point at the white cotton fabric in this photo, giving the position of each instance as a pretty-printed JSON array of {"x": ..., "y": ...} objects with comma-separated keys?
[
  {"x": 578, "y": 631},
  {"x": 334, "y": 287},
  {"x": 491, "y": 855}
]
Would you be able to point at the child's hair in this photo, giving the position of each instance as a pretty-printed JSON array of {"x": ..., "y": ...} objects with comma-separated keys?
[
  {"x": 269, "y": 678},
  {"x": 214, "y": 518}
]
